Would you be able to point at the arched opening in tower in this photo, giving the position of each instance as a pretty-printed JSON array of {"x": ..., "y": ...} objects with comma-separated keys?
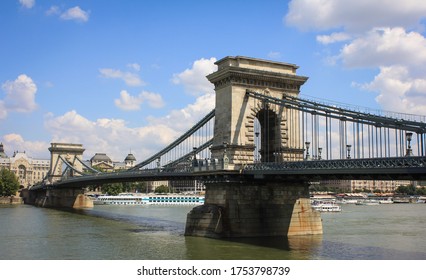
[{"x": 265, "y": 129}]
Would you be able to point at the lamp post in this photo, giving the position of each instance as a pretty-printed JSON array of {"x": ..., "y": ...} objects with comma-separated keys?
[
  {"x": 256, "y": 158},
  {"x": 276, "y": 156},
  {"x": 319, "y": 153},
  {"x": 348, "y": 148},
  {"x": 158, "y": 164},
  {"x": 225, "y": 160},
  {"x": 194, "y": 160},
  {"x": 307, "y": 144},
  {"x": 408, "y": 137}
]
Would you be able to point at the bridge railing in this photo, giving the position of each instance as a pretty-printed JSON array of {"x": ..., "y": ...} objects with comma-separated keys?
[{"x": 375, "y": 163}]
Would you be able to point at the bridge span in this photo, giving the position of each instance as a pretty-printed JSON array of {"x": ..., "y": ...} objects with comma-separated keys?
[{"x": 257, "y": 152}]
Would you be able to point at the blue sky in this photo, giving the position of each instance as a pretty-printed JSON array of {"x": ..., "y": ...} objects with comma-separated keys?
[{"x": 124, "y": 75}]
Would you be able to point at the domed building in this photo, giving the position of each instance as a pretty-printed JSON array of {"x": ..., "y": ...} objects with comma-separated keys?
[
  {"x": 2, "y": 153},
  {"x": 129, "y": 161},
  {"x": 102, "y": 162}
]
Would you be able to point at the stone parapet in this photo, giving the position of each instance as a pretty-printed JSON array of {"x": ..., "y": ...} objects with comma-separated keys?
[{"x": 11, "y": 200}]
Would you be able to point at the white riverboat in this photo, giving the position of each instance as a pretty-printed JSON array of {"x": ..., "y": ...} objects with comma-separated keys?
[
  {"x": 368, "y": 202},
  {"x": 386, "y": 201},
  {"x": 131, "y": 199},
  {"x": 325, "y": 206}
]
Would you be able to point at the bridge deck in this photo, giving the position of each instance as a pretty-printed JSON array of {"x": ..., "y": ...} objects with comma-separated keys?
[{"x": 398, "y": 168}]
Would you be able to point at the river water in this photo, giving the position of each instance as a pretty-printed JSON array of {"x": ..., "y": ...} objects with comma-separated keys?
[{"x": 152, "y": 232}]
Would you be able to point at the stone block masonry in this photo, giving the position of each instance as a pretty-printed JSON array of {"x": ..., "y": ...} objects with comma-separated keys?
[
  {"x": 250, "y": 209},
  {"x": 11, "y": 200},
  {"x": 59, "y": 198}
]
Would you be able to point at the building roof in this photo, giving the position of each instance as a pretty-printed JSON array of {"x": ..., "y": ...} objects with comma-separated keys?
[
  {"x": 2, "y": 153},
  {"x": 98, "y": 157},
  {"x": 130, "y": 157}
]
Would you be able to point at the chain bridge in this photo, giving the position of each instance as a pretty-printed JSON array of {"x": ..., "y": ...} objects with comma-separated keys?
[{"x": 257, "y": 151}]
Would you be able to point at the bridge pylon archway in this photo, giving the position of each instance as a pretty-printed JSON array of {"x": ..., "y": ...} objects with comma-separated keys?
[
  {"x": 72, "y": 153},
  {"x": 235, "y": 132}
]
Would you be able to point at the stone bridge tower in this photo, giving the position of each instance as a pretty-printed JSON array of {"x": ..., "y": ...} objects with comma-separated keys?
[
  {"x": 241, "y": 122},
  {"x": 238, "y": 206},
  {"x": 72, "y": 153}
]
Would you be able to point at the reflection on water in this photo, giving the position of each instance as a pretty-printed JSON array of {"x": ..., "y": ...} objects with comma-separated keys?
[
  {"x": 157, "y": 232},
  {"x": 293, "y": 248}
]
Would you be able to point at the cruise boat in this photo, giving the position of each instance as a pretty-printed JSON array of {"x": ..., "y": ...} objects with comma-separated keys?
[
  {"x": 131, "y": 199},
  {"x": 325, "y": 206},
  {"x": 368, "y": 202},
  {"x": 386, "y": 201}
]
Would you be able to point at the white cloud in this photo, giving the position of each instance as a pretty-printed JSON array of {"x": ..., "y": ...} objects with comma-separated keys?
[
  {"x": 194, "y": 79},
  {"x": 398, "y": 91},
  {"x": 114, "y": 136},
  {"x": 333, "y": 38},
  {"x": 20, "y": 95},
  {"x": 3, "y": 111},
  {"x": 27, "y": 3},
  {"x": 189, "y": 115},
  {"x": 128, "y": 102},
  {"x": 110, "y": 136},
  {"x": 131, "y": 79},
  {"x": 35, "y": 149},
  {"x": 356, "y": 16},
  {"x": 134, "y": 66},
  {"x": 76, "y": 14},
  {"x": 69, "y": 122},
  {"x": 154, "y": 100},
  {"x": 384, "y": 47},
  {"x": 400, "y": 57},
  {"x": 378, "y": 35},
  {"x": 274, "y": 55},
  {"x": 53, "y": 10}
]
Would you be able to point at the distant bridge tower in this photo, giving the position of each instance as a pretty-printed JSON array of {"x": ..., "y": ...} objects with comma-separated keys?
[
  {"x": 72, "y": 153},
  {"x": 242, "y": 122}
]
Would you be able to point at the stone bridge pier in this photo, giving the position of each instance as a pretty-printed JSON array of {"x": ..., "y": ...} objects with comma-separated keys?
[
  {"x": 59, "y": 198},
  {"x": 254, "y": 209}
]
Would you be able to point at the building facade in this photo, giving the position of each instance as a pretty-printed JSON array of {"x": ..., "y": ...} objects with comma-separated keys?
[
  {"x": 29, "y": 171},
  {"x": 383, "y": 186}
]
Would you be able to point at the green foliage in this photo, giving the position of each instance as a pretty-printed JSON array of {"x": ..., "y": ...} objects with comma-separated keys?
[
  {"x": 139, "y": 187},
  {"x": 421, "y": 191},
  {"x": 112, "y": 189},
  {"x": 116, "y": 188},
  {"x": 9, "y": 184},
  {"x": 410, "y": 190},
  {"x": 162, "y": 189}
]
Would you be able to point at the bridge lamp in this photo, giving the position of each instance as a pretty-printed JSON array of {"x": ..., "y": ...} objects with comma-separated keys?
[
  {"x": 307, "y": 144},
  {"x": 194, "y": 160},
  {"x": 276, "y": 156},
  {"x": 256, "y": 158},
  {"x": 319, "y": 153},
  {"x": 408, "y": 137},
  {"x": 348, "y": 148}
]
